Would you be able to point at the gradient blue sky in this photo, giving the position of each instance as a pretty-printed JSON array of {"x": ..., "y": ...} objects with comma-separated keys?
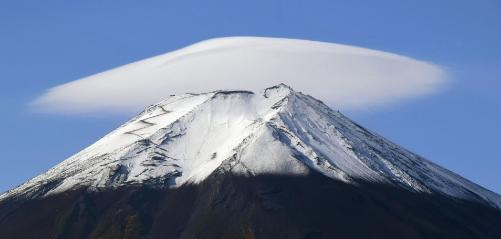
[{"x": 46, "y": 43}]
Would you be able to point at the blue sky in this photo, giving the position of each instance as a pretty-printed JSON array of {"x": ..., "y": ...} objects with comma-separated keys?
[{"x": 46, "y": 43}]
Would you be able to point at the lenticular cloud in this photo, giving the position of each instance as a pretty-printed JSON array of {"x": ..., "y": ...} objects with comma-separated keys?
[{"x": 343, "y": 76}]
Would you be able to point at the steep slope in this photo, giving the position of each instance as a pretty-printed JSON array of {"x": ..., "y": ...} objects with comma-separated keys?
[
  {"x": 238, "y": 164},
  {"x": 263, "y": 206},
  {"x": 184, "y": 139}
]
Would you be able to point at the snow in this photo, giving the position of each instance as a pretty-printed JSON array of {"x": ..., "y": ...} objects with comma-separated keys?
[{"x": 185, "y": 138}]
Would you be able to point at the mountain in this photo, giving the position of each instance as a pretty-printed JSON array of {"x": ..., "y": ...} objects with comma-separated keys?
[{"x": 239, "y": 164}]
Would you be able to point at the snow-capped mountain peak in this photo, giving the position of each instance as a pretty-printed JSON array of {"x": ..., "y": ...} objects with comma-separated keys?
[{"x": 186, "y": 138}]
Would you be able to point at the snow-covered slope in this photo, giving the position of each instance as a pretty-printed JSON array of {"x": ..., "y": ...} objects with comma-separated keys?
[{"x": 185, "y": 138}]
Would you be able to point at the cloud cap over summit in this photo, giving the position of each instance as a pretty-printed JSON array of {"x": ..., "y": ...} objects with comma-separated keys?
[{"x": 343, "y": 76}]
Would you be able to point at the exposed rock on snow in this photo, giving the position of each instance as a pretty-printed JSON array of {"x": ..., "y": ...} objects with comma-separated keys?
[{"x": 185, "y": 138}]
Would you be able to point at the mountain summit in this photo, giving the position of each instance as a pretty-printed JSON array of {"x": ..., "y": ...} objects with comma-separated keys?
[
  {"x": 185, "y": 138},
  {"x": 199, "y": 140}
]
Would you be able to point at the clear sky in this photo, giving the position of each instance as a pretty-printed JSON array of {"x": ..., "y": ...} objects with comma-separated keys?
[{"x": 46, "y": 43}]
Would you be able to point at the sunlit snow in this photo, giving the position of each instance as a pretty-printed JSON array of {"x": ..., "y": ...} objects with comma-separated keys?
[{"x": 186, "y": 138}]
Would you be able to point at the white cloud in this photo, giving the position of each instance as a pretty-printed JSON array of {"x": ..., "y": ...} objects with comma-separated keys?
[{"x": 344, "y": 77}]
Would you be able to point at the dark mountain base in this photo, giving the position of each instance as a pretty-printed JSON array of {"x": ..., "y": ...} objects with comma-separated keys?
[{"x": 227, "y": 206}]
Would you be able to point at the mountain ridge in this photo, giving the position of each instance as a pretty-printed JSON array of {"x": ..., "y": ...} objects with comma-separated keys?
[{"x": 184, "y": 139}]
